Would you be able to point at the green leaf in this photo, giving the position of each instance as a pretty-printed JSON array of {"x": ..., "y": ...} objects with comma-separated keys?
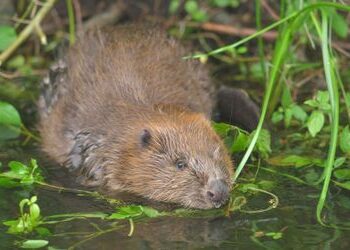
[
  {"x": 266, "y": 185},
  {"x": 263, "y": 144},
  {"x": 274, "y": 235},
  {"x": 20, "y": 174},
  {"x": 345, "y": 185},
  {"x": 27, "y": 180},
  {"x": 287, "y": 99},
  {"x": 33, "y": 244},
  {"x": 294, "y": 161},
  {"x": 127, "y": 212},
  {"x": 10, "y": 121},
  {"x": 321, "y": 101},
  {"x": 315, "y": 122},
  {"x": 235, "y": 139},
  {"x": 343, "y": 174},
  {"x": 7, "y": 36},
  {"x": 344, "y": 141},
  {"x": 7, "y": 183},
  {"x": 247, "y": 187},
  {"x": 324, "y": 102},
  {"x": 34, "y": 211},
  {"x": 199, "y": 16},
  {"x": 222, "y": 129},
  {"x": 191, "y": 6},
  {"x": 242, "y": 50},
  {"x": 33, "y": 199},
  {"x": 18, "y": 168},
  {"x": 43, "y": 231},
  {"x": 277, "y": 116},
  {"x": 240, "y": 142},
  {"x": 151, "y": 212},
  {"x": 299, "y": 113},
  {"x": 15, "y": 226},
  {"x": 312, "y": 103},
  {"x": 339, "y": 162},
  {"x": 322, "y": 97},
  {"x": 339, "y": 25},
  {"x": 10, "y": 222},
  {"x": 174, "y": 6}
]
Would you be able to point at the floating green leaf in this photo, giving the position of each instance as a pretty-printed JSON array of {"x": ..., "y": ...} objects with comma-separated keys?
[
  {"x": 127, "y": 212},
  {"x": 132, "y": 211},
  {"x": 151, "y": 212},
  {"x": 33, "y": 244}
]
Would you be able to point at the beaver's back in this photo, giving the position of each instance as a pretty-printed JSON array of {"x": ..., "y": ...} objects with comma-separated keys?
[{"x": 136, "y": 66}]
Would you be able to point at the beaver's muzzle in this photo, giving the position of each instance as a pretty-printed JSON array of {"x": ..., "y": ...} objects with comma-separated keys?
[{"x": 218, "y": 192}]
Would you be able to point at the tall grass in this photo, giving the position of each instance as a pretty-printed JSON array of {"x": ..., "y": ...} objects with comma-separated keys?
[
  {"x": 288, "y": 26},
  {"x": 332, "y": 86}
]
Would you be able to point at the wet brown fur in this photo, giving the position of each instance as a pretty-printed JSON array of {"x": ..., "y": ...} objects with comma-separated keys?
[{"x": 120, "y": 83}]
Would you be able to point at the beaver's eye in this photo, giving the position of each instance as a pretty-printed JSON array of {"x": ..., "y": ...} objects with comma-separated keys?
[{"x": 180, "y": 164}]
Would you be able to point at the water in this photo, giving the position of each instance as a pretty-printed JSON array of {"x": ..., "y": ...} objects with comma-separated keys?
[{"x": 294, "y": 218}]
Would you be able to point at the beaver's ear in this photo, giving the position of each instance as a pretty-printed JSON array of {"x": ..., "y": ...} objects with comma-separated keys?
[{"x": 145, "y": 137}]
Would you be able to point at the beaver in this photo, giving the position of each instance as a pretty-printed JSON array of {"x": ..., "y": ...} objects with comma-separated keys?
[{"x": 125, "y": 113}]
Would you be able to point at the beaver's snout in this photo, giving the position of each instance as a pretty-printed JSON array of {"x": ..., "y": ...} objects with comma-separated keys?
[{"x": 218, "y": 192}]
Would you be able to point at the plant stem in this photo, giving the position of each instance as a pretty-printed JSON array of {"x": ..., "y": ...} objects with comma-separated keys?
[
  {"x": 27, "y": 30},
  {"x": 260, "y": 40},
  {"x": 332, "y": 86},
  {"x": 71, "y": 22},
  {"x": 279, "y": 55}
]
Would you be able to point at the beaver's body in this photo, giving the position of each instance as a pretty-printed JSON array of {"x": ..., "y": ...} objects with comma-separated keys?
[{"x": 126, "y": 113}]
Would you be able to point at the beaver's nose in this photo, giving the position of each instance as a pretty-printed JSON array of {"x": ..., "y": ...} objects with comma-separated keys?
[{"x": 218, "y": 192}]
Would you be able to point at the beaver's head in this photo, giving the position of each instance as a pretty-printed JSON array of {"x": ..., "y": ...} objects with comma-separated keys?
[{"x": 177, "y": 159}]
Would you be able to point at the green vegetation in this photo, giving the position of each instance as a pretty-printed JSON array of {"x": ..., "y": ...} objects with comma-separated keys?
[
  {"x": 30, "y": 219},
  {"x": 303, "y": 133}
]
